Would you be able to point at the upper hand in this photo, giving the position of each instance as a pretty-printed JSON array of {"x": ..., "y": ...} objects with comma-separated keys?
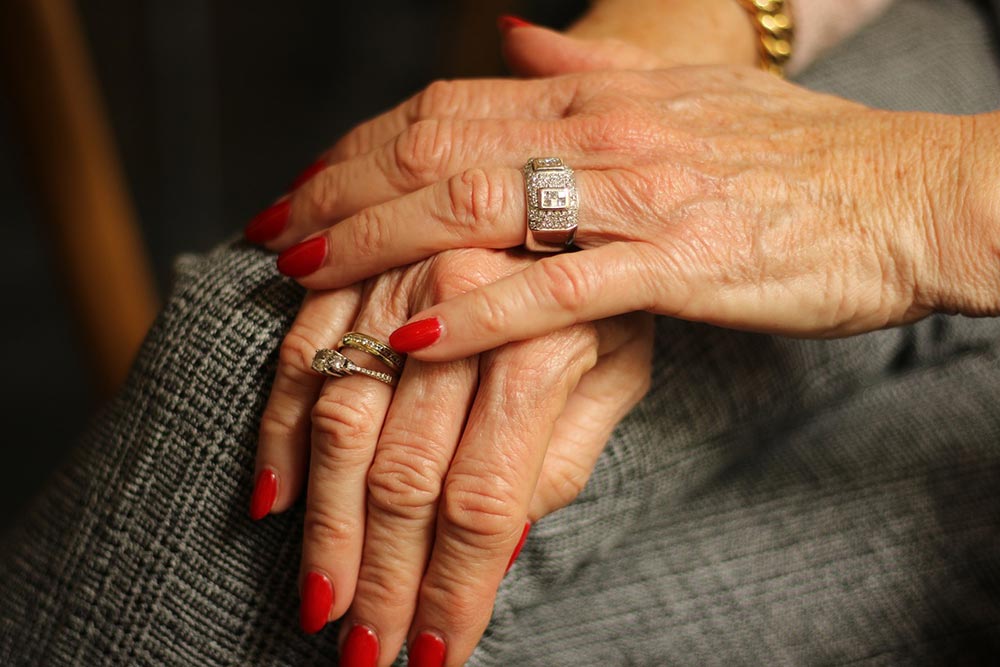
[{"x": 715, "y": 194}]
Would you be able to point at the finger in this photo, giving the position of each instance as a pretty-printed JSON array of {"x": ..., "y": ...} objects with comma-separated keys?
[
  {"x": 535, "y": 51},
  {"x": 346, "y": 421},
  {"x": 600, "y": 400},
  {"x": 331, "y": 186},
  {"x": 423, "y": 154},
  {"x": 551, "y": 294},
  {"x": 418, "y": 441},
  {"x": 523, "y": 389},
  {"x": 283, "y": 442},
  {"x": 477, "y": 208},
  {"x": 490, "y": 98}
]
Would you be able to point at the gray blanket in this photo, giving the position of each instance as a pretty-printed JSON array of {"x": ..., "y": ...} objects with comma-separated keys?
[{"x": 772, "y": 501}]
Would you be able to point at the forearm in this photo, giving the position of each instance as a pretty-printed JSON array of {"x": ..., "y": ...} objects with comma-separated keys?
[{"x": 720, "y": 31}]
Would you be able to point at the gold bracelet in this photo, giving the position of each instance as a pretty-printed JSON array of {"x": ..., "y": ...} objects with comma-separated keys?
[{"x": 772, "y": 19}]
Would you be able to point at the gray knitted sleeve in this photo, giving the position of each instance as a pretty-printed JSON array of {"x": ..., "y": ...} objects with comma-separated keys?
[{"x": 772, "y": 501}]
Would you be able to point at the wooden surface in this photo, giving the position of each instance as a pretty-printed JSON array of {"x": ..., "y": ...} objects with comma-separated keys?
[{"x": 73, "y": 168}]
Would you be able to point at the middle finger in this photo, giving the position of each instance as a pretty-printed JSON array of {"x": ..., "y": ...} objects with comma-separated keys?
[
  {"x": 346, "y": 422},
  {"x": 424, "y": 153}
]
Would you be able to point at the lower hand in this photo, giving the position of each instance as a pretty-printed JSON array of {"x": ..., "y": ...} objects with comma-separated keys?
[{"x": 417, "y": 498}]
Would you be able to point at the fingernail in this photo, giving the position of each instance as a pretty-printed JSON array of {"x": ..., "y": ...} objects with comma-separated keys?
[
  {"x": 506, "y": 22},
  {"x": 265, "y": 490},
  {"x": 317, "y": 598},
  {"x": 520, "y": 545},
  {"x": 303, "y": 258},
  {"x": 307, "y": 173},
  {"x": 269, "y": 223},
  {"x": 416, "y": 335},
  {"x": 360, "y": 648},
  {"x": 427, "y": 650}
]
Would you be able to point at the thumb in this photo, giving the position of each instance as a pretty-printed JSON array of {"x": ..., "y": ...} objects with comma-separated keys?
[{"x": 534, "y": 51}]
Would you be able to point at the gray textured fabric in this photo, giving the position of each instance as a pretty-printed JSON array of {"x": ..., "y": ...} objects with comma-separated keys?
[{"x": 772, "y": 501}]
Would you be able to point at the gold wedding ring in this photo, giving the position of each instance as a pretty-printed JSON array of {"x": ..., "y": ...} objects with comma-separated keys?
[{"x": 373, "y": 346}]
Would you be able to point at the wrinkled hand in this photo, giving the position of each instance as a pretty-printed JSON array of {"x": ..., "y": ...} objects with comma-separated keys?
[
  {"x": 713, "y": 194},
  {"x": 417, "y": 497},
  {"x": 537, "y": 401}
]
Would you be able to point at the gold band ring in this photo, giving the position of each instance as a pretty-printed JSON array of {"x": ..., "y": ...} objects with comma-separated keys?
[{"x": 373, "y": 346}]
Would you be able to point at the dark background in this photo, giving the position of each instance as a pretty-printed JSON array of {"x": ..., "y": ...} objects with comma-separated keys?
[{"x": 215, "y": 106}]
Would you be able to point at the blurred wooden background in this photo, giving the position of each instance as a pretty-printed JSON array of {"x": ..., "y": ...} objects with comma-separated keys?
[{"x": 134, "y": 130}]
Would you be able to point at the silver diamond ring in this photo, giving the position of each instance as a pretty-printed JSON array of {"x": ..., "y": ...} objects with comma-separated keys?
[
  {"x": 335, "y": 364},
  {"x": 553, "y": 204}
]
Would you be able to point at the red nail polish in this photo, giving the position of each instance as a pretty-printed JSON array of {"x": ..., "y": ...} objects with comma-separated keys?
[
  {"x": 360, "y": 648},
  {"x": 269, "y": 223},
  {"x": 416, "y": 335},
  {"x": 506, "y": 22},
  {"x": 307, "y": 173},
  {"x": 265, "y": 490},
  {"x": 427, "y": 650},
  {"x": 303, "y": 258},
  {"x": 520, "y": 545},
  {"x": 317, "y": 598}
]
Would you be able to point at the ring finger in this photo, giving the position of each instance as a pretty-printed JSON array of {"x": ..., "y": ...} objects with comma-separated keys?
[
  {"x": 478, "y": 208},
  {"x": 346, "y": 422}
]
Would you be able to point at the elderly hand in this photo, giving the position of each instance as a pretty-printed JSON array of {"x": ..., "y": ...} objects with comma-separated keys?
[
  {"x": 417, "y": 498},
  {"x": 714, "y": 194}
]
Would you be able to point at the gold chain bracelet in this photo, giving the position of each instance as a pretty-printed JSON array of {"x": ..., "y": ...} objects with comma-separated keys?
[{"x": 772, "y": 19}]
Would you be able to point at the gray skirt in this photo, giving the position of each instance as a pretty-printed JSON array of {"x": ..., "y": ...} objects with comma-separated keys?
[{"x": 772, "y": 501}]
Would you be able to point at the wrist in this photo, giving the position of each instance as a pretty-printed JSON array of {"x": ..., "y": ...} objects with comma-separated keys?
[
  {"x": 688, "y": 32},
  {"x": 962, "y": 158}
]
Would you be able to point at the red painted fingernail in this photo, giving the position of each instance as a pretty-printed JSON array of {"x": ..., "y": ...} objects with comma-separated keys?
[
  {"x": 520, "y": 545},
  {"x": 303, "y": 258},
  {"x": 317, "y": 598},
  {"x": 269, "y": 223},
  {"x": 307, "y": 173},
  {"x": 427, "y": 650},
  {"x": 265, "y": 490},
  {"x": 506, "y": 22},
  {"x": 416, "y": 335},
  {"x": 360, "y": 648}
]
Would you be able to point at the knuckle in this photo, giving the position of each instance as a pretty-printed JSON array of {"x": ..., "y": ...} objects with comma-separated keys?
[
  {"x": 275, "y": 423},
  {"x": 520, "y": 383},
  {"x": 455, "y": 273},
  {"x": 419, "y": 153},
  {"x": 567, "y": 480},
  {"x": 319, "y": 195},
  {"x": 493, "y": 315},
  {"x": 321, "y": 528},
  {"x": 479, "y": 509},
  {"x": 475, "y": 197},
  {"x": 457, "y": 600},
  {"x": 380, "y": 588},
  {"x": 343, "y": 428},
  {"x": 440, "y": 98},
  {"x": 367, "y": 231},
  {"x": 403, "y": 483},
  {"x": 563, "y": 284}
]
